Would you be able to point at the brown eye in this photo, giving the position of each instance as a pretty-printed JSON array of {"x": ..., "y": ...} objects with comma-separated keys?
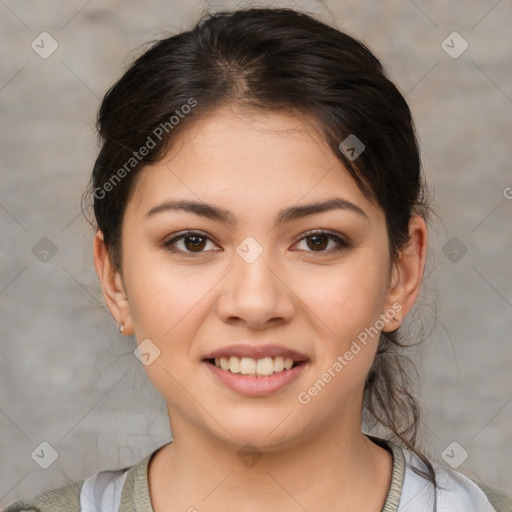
[
  {"x": 318, "y": 241},
  {"x": 191, "y": 242},
  {"x": 196, "y": 243}
]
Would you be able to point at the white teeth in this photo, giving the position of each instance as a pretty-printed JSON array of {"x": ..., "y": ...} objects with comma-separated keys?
[
  {"x": 234, "y": 364},
  {"x": 265, "y": 366},
  {"x": 278, "y": 364},
  {"x": 250, "y": 366},
  {"x": 247, "y": 366}
]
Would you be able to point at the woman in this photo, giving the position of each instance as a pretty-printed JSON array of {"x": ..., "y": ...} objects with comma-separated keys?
[{"x": 262, "y": 232}]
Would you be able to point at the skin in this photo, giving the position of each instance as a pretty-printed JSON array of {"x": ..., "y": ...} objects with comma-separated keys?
[{"x": 188, "y": 304}]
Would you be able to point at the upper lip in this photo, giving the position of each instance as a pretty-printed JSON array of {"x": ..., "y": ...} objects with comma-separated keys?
[{"x": 256, "y": 352}]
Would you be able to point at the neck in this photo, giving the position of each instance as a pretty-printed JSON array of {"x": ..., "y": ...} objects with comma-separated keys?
[{"x": 329, "y": 469}]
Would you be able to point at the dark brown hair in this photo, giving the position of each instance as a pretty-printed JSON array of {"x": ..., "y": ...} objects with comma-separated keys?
[{"x": 272, "y": 59}]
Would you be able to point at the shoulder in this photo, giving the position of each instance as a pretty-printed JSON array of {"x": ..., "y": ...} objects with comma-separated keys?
[
  {"x": 107, "y": 490},
  {"x": 470, "y": 494},
  {"x": 500, "y": 500},
  {"x": 455, "y": 491},
  {"x": 64, "y": 499}
]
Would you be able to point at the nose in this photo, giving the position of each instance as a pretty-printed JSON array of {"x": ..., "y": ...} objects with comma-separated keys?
[{"x": 256, "y": 293}]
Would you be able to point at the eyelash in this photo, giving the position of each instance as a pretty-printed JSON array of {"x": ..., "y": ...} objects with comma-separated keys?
[{"x": 342, "y": 244}]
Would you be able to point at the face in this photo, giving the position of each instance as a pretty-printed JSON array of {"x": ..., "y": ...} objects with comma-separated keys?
[{"x": 247, "y": 268}]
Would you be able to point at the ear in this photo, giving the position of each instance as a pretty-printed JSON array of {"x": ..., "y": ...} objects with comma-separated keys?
[
  {"x": 407, "y": 273},
  {"x": 112, "y": 284}
]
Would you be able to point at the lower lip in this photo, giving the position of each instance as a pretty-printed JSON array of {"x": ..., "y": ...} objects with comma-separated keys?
[{"x": 249, "y": 385}]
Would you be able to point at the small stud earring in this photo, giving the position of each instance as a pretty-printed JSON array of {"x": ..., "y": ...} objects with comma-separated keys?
[{"x": 121, "y": 327}]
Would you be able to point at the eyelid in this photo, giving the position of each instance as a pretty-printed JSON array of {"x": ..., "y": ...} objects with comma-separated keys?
[
  {"x": 340, "y": 240},
  {"x": 187, "y": 233}
]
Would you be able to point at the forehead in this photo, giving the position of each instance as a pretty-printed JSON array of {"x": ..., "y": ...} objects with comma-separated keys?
[{"x": 256, "y": 160}]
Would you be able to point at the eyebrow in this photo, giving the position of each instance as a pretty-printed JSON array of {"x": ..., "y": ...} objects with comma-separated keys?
[{"x": 286, "y": 215}]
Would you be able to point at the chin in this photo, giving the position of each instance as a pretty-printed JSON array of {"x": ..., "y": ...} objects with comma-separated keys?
[{"x": 265, "y": 433}]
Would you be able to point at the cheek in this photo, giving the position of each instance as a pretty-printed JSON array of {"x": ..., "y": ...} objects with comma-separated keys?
[
  {"x": 159, "y": 293},
  {"x": 346, "y": 308},
  {"x": 167, "y": 309},
  {"x": 163, "y": 301},
  {"x": 347, "y": 299}
]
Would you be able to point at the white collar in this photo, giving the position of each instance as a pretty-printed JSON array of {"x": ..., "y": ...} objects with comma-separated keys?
[{"x": 455, "y": 492}]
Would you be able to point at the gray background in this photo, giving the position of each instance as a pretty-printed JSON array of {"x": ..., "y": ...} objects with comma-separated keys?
[{"x": 69, "y": 379}]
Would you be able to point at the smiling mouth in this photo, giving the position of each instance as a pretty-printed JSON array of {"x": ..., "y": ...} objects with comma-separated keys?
[{"x": 247, "y": 366}]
